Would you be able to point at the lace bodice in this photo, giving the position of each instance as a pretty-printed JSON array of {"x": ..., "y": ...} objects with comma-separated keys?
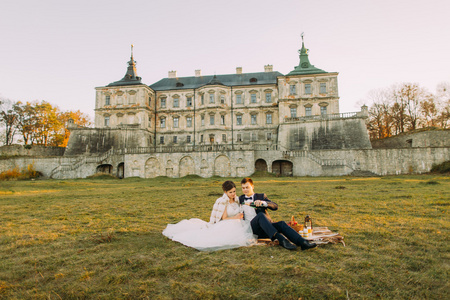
[{"x": 232, "y": 209}]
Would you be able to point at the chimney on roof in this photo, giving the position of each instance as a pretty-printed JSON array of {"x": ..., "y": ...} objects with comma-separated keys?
[
  {"x": 198, "y": 73},
  {"x": 172, "y": 74},
  {"x": 268, "y": 68},
  {"x": 238, "y": 70}
]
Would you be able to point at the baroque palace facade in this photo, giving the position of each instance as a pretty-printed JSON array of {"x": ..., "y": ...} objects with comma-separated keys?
[
  {"x": 233, "y": 109},
  {"x": 226, "y": 125}
]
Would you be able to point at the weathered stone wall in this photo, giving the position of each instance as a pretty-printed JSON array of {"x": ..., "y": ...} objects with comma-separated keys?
[
  {"x": 387, "y": 161},
  {"x": 45, "y": 165},
  {"x": 432, "y": 138},
  {"x": 241, "y": 163},
  {"x": 33, "y": 150},
  {"x": 205, "y": 164},
  {"x": 324, "y": 134},
  {"x": 99, "y": 140}
]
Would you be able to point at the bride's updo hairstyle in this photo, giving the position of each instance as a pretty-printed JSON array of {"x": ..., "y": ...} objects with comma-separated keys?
[{"x": 228, "y": 185}]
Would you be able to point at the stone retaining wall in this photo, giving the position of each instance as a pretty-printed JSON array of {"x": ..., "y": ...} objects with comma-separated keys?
[{"x": 241, "y": 163}]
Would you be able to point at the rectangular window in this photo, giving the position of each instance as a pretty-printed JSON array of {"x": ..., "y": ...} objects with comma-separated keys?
[
  {"x": 308, "y": 111},
  {"x": 149, "y": 121},
  {"x": 268, "y": 97},
  {"x": 292, "y": 90},
  {"x": 176, "y": 102},
  {"x": 224, "y": 138},
  {"x": 268, "y": 118},
  {"x": 253, "y": 119},
  {"x": 108, "y": 100},
  {"x": 188, "y": 139},
  {"x": 222, "y": 99},
  {"x": 189, "y": 101},
  {"x": 176, "y": 122},
  {"x": 201, "y": 138},
  {"x": 222, "y": 120},
  {"x": 239, "y": 137},
  {"x": 323, "y": 110},
  {"x": 163, "y": 122},
  {"x": 149, "y": 101},
  {"x": 202, "y": 99},
  {"x": 323, "y": 87},
  {"x": 294, "y": 112},
  {"x": 253, "y": 98},
  {"x": 189, "y": 122},
  {"x": 308, "y": 88},
  {"x": 106, "y": 121},
  {"x": 175, "y": 139},
  {"x": 269, "y": 136},
  {"x": 211, "y": 120},
  {"x": 254, "y": 137},
  {"x": 239, "y": 120},
  {"x": 203, "y": 120},
  {"x": 163, "y": 102},
  {"x": 239, "y": 99},
  {"x": 211, "y": 98},
  {"x": 161, "y": 140}
]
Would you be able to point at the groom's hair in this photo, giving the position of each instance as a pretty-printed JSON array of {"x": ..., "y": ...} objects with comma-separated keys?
[
  {"x": 228, "y": 185},
  {"x": 247, "y": 179}
]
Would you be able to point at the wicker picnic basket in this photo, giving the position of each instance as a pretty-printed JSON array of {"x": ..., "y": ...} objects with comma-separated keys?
[{"x": 297, "y": 227}]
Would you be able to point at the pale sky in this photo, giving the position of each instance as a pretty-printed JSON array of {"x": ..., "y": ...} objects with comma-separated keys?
[{"x": 59, "y": 51}]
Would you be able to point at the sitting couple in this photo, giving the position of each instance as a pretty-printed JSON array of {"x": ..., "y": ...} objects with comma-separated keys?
[{"x": 234, "y": 223}]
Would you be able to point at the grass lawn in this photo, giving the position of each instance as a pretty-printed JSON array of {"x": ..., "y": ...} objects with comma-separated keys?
[{"x": 101, "y": 238}]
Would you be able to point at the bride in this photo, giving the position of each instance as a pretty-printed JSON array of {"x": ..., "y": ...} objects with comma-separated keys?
[{"x": 225, "y": 230}]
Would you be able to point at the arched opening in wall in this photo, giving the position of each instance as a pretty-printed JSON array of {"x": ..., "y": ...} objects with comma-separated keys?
[
  {"x": 104, "y": 169},
  {"x": 121, "y": 170},
  {"x": 260, "y": 165},
  {"x": 222, "y": 166},
  {"x": 187, "y": 166},
  {"x": 282, "y": 168}
]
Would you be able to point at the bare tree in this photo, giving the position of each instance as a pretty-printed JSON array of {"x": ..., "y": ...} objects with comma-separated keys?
[
  {"x": 380, "y": 121},
  {"x": 443, "y": 104},
  {"x": 8, "y": 119},
  {"x": 405, "y": 107}
]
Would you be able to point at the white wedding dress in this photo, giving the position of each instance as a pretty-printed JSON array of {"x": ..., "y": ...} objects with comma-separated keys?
[{"x": 204, "y": 236}]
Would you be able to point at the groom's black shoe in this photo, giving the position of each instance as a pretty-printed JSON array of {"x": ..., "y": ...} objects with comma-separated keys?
[
  {"x": 305, "y": 245},
  {"x": 284, "y": 242}
]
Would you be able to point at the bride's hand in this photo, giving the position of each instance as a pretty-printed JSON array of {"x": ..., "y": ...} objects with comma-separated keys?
[{"x": 240, "y": 216}]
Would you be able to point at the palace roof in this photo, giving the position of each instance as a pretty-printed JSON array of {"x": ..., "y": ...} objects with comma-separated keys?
[{"x": 193, "y": 82}]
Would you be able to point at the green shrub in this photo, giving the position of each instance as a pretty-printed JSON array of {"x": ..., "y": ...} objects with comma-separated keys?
[
  {"x": 441, "y": 168},
  {"x": 102, "y": 176}
]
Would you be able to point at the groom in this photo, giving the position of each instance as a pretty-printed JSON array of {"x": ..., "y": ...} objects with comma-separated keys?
[{"x": 261, "y": 223}]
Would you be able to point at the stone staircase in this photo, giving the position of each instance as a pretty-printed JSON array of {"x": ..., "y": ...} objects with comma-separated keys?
[
  {"x": 320, "y": 161},
  {"x": 69, "y": 165}
]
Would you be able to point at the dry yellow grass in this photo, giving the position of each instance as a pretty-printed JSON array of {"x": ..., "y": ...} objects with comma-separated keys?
[{"x": 75, "y": 239}]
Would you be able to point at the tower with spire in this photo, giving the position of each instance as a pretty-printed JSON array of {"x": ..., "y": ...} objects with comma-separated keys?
[
  {"x": 307, "y": 91},
  {"x": 126, "y": 103}
]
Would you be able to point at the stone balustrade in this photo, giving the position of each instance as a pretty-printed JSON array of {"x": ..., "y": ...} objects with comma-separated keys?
[{"x": 347, "y": 115}]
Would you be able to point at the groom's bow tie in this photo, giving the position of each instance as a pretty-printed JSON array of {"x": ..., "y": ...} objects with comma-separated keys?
[{"x": 248, "y": 198}]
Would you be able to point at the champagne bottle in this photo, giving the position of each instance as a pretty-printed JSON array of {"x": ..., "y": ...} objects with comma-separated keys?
[{"x": 252, "y": 204}]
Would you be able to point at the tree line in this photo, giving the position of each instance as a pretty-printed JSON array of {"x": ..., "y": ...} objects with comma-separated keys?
[
  {"x": 37, "y": 123},
  {"x": 406, "y": 107}
]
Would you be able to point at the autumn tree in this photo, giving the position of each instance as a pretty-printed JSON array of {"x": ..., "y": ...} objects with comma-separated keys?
[
  {"x": 26, "y": 121},
  {"x": 79, "y": 118},
  {"x": 42, "y": 123}
]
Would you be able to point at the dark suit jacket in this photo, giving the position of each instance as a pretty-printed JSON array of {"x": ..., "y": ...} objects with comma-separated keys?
[{"x": 270, "y": 205}]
